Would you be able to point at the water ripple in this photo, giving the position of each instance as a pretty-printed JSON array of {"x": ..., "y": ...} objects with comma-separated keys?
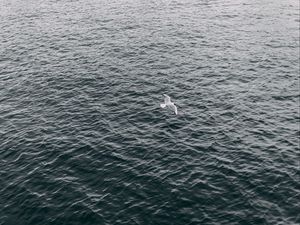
[{"x": 83, "y": 139}]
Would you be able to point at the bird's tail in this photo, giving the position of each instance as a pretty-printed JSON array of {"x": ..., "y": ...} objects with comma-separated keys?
[{"x": 163, "y": 105}]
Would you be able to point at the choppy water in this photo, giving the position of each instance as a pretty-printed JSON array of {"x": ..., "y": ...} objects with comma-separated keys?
[{"x": 82, "y": 137}]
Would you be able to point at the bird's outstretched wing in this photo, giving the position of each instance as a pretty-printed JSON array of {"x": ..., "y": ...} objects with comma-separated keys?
[
  {"x": 167, "y": 99},
  {"x": 174, "y": 108}
]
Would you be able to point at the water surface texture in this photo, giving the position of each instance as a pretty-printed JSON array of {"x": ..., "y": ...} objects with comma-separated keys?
[{"x": 84, "y": 141}]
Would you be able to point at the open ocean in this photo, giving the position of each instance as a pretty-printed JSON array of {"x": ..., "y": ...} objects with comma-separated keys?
[{"x": 83, "y": 140}]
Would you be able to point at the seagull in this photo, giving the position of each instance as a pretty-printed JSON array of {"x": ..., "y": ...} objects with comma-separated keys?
[{"x": 169, "y": 104}]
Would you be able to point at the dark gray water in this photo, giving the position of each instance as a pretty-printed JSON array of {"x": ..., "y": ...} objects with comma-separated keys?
[{"x": 84, "y": 141}]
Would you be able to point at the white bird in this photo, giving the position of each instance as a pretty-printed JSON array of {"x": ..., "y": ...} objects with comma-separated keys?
[{"x": 168, "y": 103}]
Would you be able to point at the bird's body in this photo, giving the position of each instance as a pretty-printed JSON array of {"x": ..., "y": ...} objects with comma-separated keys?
[{"x": 169, "y": 104}]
